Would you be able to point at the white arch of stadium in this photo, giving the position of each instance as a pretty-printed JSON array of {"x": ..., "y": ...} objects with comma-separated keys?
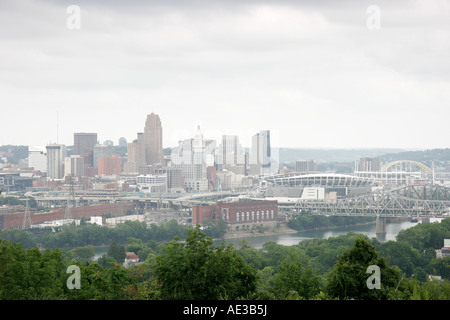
[{"x": 328, "y": 180}]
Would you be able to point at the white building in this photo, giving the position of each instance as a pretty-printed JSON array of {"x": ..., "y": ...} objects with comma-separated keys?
[
  {"x": 193, "y": 156},
  {"x": 152, "y": 183},
  {"x": 74, "y": 166},
  {"x": 55, "y": 161},
  {"x": 261, "y": 159},
  {"x": 37, "y": 158}
]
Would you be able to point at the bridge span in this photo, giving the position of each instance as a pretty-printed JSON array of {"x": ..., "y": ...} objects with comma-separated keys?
[{"x": 414, "y": 201}]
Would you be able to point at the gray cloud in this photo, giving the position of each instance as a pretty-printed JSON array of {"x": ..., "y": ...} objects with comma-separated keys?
[{"x": 309, "y": 70}]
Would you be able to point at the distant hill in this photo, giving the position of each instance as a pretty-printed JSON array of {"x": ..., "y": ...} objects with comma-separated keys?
[
  {"x": 426, "y": 157},
  {"x": 290, "y": 155}
]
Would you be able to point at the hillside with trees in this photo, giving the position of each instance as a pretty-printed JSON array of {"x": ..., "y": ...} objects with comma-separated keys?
[{"x": 190, "y": 267}]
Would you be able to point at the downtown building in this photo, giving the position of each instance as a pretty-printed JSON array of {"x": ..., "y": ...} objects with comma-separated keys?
[
  {"x": 241, "y": 215},
  {"x": 83, "y": 145},
  {"x": 146, "y": 150},
  {"x": 261, "y": 161},
  {"x": 56, "y": 153},
  {"x": 193, "y": 157}
]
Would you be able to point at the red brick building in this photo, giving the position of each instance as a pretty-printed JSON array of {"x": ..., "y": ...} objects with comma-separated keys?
[
  {"x": 236, "y": 213},
  {"x": 110, "y": 165},
  {"x": 202, "y": 214}
]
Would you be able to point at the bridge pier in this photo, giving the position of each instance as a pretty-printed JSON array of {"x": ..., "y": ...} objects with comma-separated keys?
[{"x": 380, "y": 228}]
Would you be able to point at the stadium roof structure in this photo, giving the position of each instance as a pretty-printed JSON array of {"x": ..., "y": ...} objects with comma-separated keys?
[{"x": 322, "y": 180}]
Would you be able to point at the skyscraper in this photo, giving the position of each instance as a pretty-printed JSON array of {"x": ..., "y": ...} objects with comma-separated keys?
[
  {"x": 153, "y": 140},
  {"x": 102, "y": 151},
  {"x": 55, "y": 161},
  {"x": 83, "y": 144},
  {"x": 147, "y": 148},
  {"x": 260, "y": 157},
  {"x": 370, "y": 164}
]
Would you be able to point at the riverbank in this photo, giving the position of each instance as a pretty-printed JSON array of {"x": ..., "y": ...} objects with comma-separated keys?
[{"x": 283, "y": 229}]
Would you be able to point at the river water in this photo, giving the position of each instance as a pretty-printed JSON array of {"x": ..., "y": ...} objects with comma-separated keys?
[{"x": 392, "y": 229}]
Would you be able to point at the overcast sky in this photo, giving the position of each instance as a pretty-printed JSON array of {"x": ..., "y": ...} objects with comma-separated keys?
[{"x": 316, "y": 73}]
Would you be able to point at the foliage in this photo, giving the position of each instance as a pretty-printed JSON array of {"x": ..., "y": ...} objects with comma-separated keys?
[
  {"x": 307, "y": 221},
  {"x": 195, "y": 269},
  {"x": 92, "y": 234},
  {"x": 426, "y": 235},
  {"x": 30, "y": 274},
  {"x": 26, "y": 238},
  {"x": 117, "y": 252},
  {"x": 349, "y": 275},
  {"x": 295, "y": 280}
]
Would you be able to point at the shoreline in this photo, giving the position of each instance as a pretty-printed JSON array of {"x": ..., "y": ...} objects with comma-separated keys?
[{"x": 281, "y": 230}]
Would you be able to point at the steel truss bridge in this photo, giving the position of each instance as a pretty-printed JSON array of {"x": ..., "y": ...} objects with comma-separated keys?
[{"x": 425, "y": 201}]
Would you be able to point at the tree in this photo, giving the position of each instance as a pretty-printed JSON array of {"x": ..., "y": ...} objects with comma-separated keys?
[
  {"x": 348, "y": 280},
  {"x": 30, "y": 274},
  {"x": 401, "y": 254},
  {"x": 84, "y": 253},
  {"x": 197, "y": 270},
  {"x": 295, "y": 280},
  {"x": 117, "y": 252}
]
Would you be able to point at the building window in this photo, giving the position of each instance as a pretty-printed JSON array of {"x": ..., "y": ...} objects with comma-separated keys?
[
  {"x": 253, "y": 215},
  {"x": 237, "y": 216},
  {"x": 257, "y": 215},
  {"x": 271, "y": 213},
  {"x": 248, "y": 216}
]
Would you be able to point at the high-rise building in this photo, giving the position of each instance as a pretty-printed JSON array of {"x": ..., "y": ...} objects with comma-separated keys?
[
  {"x": 74, "y": 166},
  {"x": 193, "y": 156},
  {"x": 305, "y": 166},
  {"x": 102, "y": 151},
  {"x": 123, "y": 142},
  {"x": 83, "y": 145},
  {"x": 147, "y": 148},
  {"x": 174, "y": 178},
  {"x": 55, "y": 161},
  {"x": 153, "y": 140},
  {"x": 260, "y": 157},
  {"x": 369, "y": 164},
  {"x": 231, "y": 151},
  {"x": 37, "y": 158},
  {"x": 110, "y": 165}
]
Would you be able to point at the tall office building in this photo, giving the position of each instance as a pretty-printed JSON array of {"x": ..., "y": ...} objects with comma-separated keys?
[
  {"x": 231, "y": 150},
  {"x": 102, "y": 151},
  {"x": 147, "y": 148},
  {"x": 260, "y": 157},
  {"x": 83, "y": 144},
  {"x": 110, "y": 165},
  {"x": 153, "y": 140},
  {"x": 37, "y": 158},
  {"x": 123, "y": 142},
  {"x": 370, "y": 164},
  {"x": 74, "y": 166},
  {"x": 55, "y": 161},
  {"x": 305, "y": 166},
  {"x": 193, "y": 156}
]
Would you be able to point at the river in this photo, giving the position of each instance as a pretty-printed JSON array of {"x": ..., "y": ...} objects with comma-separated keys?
[{"x": 392, "y": 229}]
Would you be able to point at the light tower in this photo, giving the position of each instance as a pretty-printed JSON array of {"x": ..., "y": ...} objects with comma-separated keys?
[{"x": 26, "y": 217}]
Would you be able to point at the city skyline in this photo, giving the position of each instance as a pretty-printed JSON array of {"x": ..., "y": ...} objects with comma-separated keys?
[{"x": 317, "y": 74}]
